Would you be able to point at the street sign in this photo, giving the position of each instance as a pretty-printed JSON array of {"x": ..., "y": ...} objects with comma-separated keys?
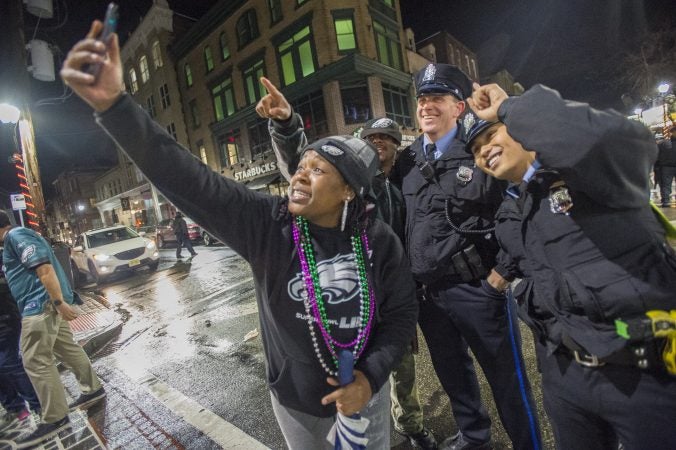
[{"x": 18, "y": 201}]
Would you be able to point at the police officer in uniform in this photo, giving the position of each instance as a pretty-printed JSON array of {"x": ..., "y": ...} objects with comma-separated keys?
[
  {"x": 599, "y": 285},
  {"x": 450, "y": 207}
]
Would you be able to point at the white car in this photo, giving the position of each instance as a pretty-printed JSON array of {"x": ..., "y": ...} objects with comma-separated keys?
[{"x": 106, "y": 251}]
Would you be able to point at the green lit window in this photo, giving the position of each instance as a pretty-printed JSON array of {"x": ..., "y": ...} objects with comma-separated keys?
[
  {"x": 296, "y": 56},
  {"x": 225, "y": 50},
  {"x": 224, "y": 99},
  {"x": 143, "y": 65},
  {"x": 388, "y": 45},
  {"x": 254, "y": 89},
  {"x": 194, "y": 114},
  {"x": 188, "y": 75},
  {"x": 300, "y": 2},
  {"x": 345, "y": 34},
  {"x": 389, "y": 3},
  {"x": 208, "y": 59}
]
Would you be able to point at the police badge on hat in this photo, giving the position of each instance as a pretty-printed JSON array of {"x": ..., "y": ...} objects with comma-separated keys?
[
  {"x": 468, "y": 121},
  {"x": 464, "y": 175},
  {"x": 430, "y": 73},
  {"x": 560, "y": 201}
]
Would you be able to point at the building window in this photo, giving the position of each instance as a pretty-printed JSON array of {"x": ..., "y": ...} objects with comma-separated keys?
[
  {"x": 347, "y": 40},
  {"x": 300, "y": 2},
  {"x": 133, "y": 81},
  {"x": 313, "y": 114},
  {"x": 356, "y": 106},
  {"x": 388, "y": 45},
  {"x": 164, "y": 96},
  {"x": 228, "y": 147},
  {"x": 389, "y": 3},
  {"x": 296, "y": 55},
  {"x": 150, "y": 102},
  {"x": 223, "y": 96},
  {"x": 188, "y": 75},
  {"x": 275, "y": 11},
  {"x": 145, "y": 72},
  {"x": 259, "y": 138},
  {"x": 202, "y": 151},
  {"x": 247, "y": 28},
  {"x": 194, "y": 114},
  {"x": 208, "y": 59},
  {"x": 157, "y": 55},
  {"x": 397, "y": 106},
  {"x": 171, "y": 129},
  {"x": 225, "y": 50},
  {"x": 254, "y": 89}
]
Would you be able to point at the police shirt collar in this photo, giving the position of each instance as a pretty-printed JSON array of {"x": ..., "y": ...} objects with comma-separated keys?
[
  {"x": 513, "y": 190},
  {"x": 442, "y": 144}
]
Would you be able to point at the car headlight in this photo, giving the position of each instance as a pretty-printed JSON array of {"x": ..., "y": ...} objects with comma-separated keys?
[
  {"x": 101, "y": 257},
  {"x": 150, "y": 245}
]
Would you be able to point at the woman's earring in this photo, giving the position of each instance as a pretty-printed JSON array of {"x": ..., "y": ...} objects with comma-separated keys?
[{"x": 343, "y": 219}]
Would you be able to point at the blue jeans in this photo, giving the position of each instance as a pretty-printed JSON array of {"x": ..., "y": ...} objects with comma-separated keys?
[
  {"x": 15, "y": 387},
  {"x": 306, "y": 432}
]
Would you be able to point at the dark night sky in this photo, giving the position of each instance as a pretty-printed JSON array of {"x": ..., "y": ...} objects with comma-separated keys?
[{"x": 570, "y": 45}]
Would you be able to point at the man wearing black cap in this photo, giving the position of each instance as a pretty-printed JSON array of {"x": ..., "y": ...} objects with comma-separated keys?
[
  {"x": 288, "y": 138},
  {"x": 599, "y": 275},
  {"x": 449, "y": 221}
]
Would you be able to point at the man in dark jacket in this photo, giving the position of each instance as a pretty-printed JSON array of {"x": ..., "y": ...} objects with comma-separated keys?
[
  {"x": 665, "y": 167},
  {"x": 595, "y": 263},
  {"x": 450, "y": 241},
  {"x": 288, "y": 138},
  {"x": 182, "y": 238}
]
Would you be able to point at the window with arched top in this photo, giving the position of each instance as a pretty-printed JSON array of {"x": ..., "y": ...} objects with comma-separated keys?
[
  {"x": 157, "y": 55},
  {"x": 133, "y": 81},
  {"x": 247, "y": 28},
  {"x": 143, "y": 66}
]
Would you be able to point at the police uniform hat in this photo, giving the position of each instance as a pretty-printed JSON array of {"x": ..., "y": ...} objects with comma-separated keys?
[
  {"x": 382, "y": 126},
  {"x": 475, "y": 130},
  {"x": 443, "y": 79},
  {"x": 355, "y": 159}
]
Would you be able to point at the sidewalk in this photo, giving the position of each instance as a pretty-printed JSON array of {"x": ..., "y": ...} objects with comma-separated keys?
[{"x": 96, "y": 326}]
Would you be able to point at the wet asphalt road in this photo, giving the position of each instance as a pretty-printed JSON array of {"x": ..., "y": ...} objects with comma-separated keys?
[{"x": 185, "y": 366}]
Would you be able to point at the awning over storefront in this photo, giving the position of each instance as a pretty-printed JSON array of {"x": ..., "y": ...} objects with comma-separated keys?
[{"x": 261, "y": 182}]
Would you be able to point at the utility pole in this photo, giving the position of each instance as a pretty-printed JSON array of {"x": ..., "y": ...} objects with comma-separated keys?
[{"x": 15, "y": 90}]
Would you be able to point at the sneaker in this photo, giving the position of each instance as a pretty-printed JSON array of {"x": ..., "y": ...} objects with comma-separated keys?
[
  {"x": 9, "y": 421},
  {"x": 87, "y": 400},
  {"x": 422, "y": 439},
  {"x": 43, "y": 432},
  {"x": 458, "y": 442}
]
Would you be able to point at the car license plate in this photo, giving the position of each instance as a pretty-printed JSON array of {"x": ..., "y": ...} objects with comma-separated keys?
[{"x": 134, "y": 262}]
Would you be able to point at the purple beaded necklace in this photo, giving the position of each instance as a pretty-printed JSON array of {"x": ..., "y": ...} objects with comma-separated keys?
[{"x": 314, "y": 303}]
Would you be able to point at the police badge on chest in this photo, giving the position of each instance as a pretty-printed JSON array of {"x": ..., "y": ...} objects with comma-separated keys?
[
  {"x": 464, "y": 175},
  {"x": 560, "y": 201}
]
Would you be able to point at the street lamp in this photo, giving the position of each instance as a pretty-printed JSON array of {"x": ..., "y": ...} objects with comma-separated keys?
[{"x": 9, "y": 113}]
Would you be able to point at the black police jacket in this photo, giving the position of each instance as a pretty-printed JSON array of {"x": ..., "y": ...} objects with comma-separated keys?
[
  {"x": 469, "y": 205},
  {"x": 606, "y": 257}
]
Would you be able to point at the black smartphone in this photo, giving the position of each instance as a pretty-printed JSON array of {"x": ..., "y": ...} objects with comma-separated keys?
[{"x": 109, "y": 27}]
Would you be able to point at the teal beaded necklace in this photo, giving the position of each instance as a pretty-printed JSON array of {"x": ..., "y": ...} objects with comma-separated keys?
[{"x": 314, "y": 303}]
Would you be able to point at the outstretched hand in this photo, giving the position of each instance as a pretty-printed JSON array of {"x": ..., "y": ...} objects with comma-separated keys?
[
  {"x": 103, "y": 90},
  {"x": 486, "y": 100},
  {"x": 274, "y": 105},
  {"x": 351, "y": 398}
]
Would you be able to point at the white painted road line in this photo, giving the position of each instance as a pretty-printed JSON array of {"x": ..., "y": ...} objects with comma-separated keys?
[{"x": 212, "y": 425}]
